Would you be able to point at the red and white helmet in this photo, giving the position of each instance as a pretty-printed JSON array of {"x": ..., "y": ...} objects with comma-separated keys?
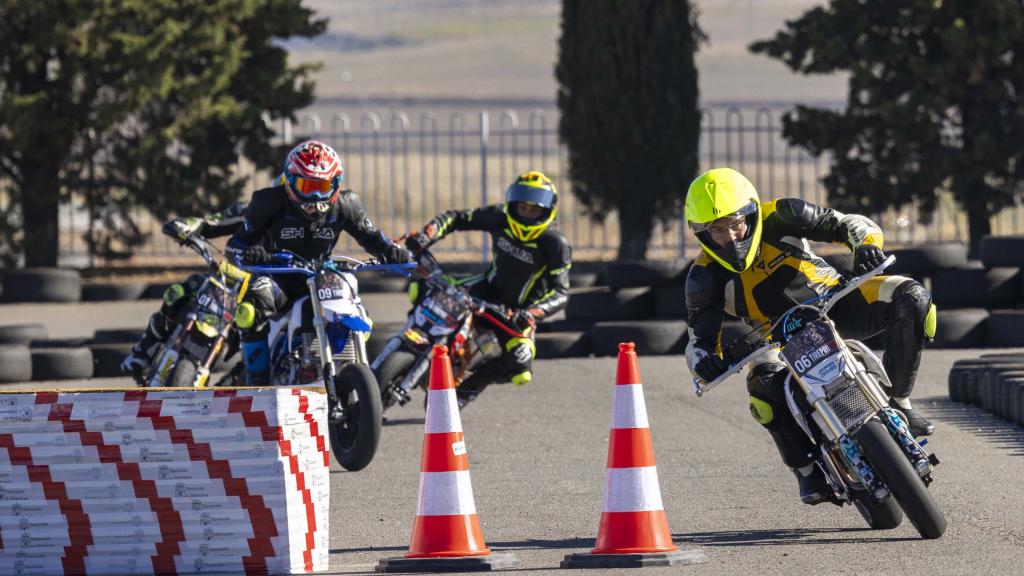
[{"x": 313, "y": 175}]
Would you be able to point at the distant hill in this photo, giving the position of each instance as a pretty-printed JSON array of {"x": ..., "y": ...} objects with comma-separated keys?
[{"x": 484, "y": 50}]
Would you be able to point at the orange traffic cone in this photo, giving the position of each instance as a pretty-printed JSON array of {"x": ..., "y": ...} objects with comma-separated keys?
[
  {"x": 446, "y": 535},
  {"x": 634, "y": 530}
]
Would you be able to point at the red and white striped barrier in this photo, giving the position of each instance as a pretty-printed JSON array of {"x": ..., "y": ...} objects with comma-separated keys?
[{"x": 164, "y": 481}]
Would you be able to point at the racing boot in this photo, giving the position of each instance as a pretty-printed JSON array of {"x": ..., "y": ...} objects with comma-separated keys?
[
  {"x": 814, "y": 487},
  {"x": 918, "y": 424},
  {"x": 137, "y": 362},
  {"x": 471, "y": 387}
]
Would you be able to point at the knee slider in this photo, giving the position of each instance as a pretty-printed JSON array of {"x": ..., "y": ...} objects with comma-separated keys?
[
  {"x": 912, "y": 301},
  {"x": 762, "y": 411},
  {"x": 173, "y": 294}
]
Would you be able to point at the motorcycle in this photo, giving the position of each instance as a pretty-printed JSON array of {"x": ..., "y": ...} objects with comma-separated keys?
[
  {"x": 320, "y": 340},
  {"x": 447, "y": 315},
  {"x": 207, "y": 324},
  {"x": 836, "y": 391}
]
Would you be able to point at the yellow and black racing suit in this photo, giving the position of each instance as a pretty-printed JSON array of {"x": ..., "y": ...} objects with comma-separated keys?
[
  {"x": 523, "y": 275},
  {"x": 786, "y": 272}
]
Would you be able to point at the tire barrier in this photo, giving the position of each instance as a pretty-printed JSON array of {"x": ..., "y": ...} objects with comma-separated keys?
[
  {"x": 670, "y": 301},
  {"x": 926, "y": 259},
  {"x": 15, "y": 363},
  {"x": 112, "y": 292},
  {"x": 117, "y": 335},
  {"x": 998, "y": 251},
  {"x": 963, "y": 328},
  {"x": 61, "y": 363},
  {"x": 605, "y": 304},
  {"x": 42, "y": 285},
  {"x": 164, "y": 481},
  {"x": 23, "y": 333},
  {"x": 993, "y": 382},
  {"x": 107, "y": 359},
  {"x": 563, "y": 345},
  {"x": 645, "y": 274},
  {"x": 975, "y": 286},
  {"x": 651, "y": 337}
]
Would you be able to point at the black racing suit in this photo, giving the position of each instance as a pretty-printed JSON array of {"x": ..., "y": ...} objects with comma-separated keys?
[
  {"x": 523, "y": 275},
  {"x": 162, "y": 322},
  {"x": 786, "y": 272},
  {"x": 275, "y": 222}
]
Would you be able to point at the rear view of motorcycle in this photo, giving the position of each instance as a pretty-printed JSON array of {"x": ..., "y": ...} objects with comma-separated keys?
[
  {"x": 206, "y": 324},
  {"x": 444, "y": 314},
  {"x": 320, "y": 340},
  {"x": 836, "y": 390}
]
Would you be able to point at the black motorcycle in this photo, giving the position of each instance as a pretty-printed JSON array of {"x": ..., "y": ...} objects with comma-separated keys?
[
  {"x": 836, "y": 390},
  {"x": 446, "y": 314}
]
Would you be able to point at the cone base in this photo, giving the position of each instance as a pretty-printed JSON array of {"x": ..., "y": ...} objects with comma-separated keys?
[
  {"x": 591, "y": 560},
  {"x": 492, "y": 561}
]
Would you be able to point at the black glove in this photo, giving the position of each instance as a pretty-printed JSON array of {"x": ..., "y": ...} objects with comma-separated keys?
[
  {"x": 710, "y": 367},
  {"x": 866, "y": 258},
  {"x": 522, "y": 319},
  {"x": 395, "y": 254},
  {"x": 255, "y": 255},
  {"x": 417, "y": 241}
]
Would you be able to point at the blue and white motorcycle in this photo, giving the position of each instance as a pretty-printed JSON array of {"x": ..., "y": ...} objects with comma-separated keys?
[{"x": 320, "y": 339}]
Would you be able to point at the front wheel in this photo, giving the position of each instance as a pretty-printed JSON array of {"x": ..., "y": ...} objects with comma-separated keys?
[
  {"x": 355, "y": 417},
  {"x": 879, "y": 515},
  {"x": 184, "y": 374},
  {"x": 391, "y": 373},
  {"x": 906, "y": 486}
]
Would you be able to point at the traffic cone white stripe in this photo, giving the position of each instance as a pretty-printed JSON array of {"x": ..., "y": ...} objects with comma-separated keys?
[
  {"x": 629, "y": 410},
  {"x": 632, "y": 490},
  {"x": 442, "y": 412},
  {"x": 445, "y": 494}
]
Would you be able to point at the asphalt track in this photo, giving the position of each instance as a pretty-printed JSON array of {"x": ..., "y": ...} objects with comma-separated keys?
[{"x": 537, "y": 457}]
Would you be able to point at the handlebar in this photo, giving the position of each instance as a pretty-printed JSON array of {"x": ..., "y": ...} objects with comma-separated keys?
[
  {"x": 291, "y": 263},
  {"x": 765, "y": 345}
]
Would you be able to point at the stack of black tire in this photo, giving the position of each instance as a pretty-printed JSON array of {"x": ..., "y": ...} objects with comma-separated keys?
[{"x": 994, "y": 382}]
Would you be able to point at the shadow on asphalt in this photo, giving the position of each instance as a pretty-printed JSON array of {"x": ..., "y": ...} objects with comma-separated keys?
[
  {"x": 785, "y": 536},
  {"x": 528, "y": 544},
  {"x": 404, "y": 421},
  {"x": 1007, "y": 435}
]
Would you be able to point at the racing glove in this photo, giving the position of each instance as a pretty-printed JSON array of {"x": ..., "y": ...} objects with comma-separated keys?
[
  {"x": 255, "y": 255},
  {"x": 182, "y": 228},
  {"x": 417, "y": 241},
  {"x": 711, "y": 366},
  {"x": 395, "y": 254},
  {"x": 523, "y": 319},
  {"x": 866, "y": 258}
]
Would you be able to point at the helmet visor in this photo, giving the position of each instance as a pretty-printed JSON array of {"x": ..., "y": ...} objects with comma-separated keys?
[
  {"x": 313, "y": 190},
  {"x": 744, "y": 212},
  {"x": 540, "y": 196}
]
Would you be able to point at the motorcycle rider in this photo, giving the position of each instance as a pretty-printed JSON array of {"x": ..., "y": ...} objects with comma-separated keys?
[
  {"x": 305, "y": 213},
  {"x": 529, "y": 273},
  {"x": 162, "y": 322},
  {"x": 756, "y": 263}
]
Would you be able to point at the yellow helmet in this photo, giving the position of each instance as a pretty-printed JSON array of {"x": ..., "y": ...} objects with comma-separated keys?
[
  {"x": 532, "y": 188},
  {"x": 721, "y": 193}
]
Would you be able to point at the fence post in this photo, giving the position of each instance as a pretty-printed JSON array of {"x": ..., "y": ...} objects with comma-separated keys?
[{"x": 484, "y": 133}]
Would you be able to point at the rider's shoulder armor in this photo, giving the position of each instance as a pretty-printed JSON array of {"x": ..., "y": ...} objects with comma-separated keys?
[{"x": 705, "y": 283}]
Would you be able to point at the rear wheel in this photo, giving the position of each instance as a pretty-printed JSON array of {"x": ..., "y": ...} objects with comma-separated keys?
[
  {"x": 355, "y": 417},
  {"x": 391, "y": 373},
  {"x": 906, "y": 486}
]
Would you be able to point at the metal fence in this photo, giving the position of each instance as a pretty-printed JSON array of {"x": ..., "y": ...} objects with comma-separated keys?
[{"x": 407, "y": 170}]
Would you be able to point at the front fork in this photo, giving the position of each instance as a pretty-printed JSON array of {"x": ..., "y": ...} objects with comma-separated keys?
[{"x": 328, "y": 370}]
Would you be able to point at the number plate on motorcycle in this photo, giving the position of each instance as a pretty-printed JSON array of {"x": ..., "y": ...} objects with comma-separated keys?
[{"x": 809, "y": 347}]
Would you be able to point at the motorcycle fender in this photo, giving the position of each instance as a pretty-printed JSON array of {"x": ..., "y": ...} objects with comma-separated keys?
[
  {"x": 355, "y": 323},
  {"x": 797, "y": 413},
  {"x": 167, "y": 363}
]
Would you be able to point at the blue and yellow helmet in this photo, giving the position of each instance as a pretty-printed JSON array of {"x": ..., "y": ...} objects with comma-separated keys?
[{"x": 531, "y": 188}]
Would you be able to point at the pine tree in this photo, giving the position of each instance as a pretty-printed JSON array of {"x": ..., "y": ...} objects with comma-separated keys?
[{"x": 628, "y": 98}]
